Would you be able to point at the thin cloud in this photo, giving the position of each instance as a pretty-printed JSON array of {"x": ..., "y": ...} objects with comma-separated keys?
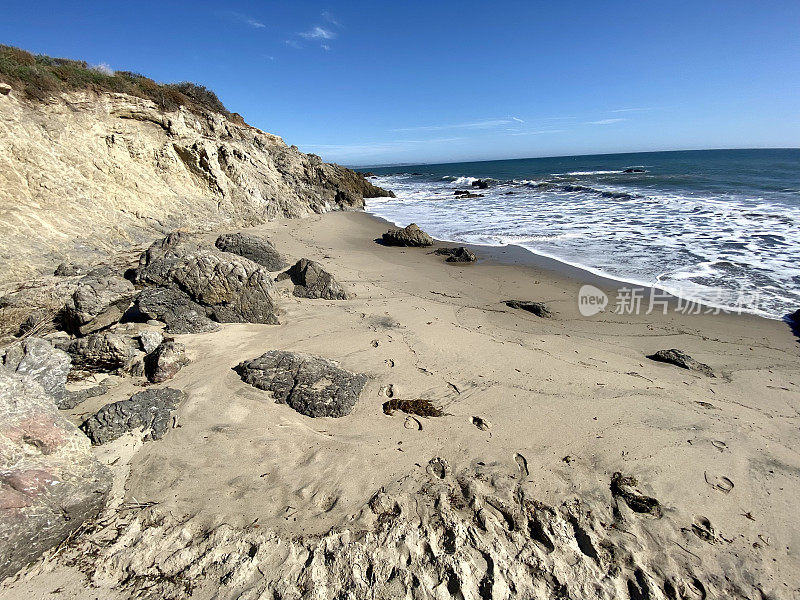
[
  {"x": 294, "y": 44},
  {"x": 605, "y": 121},
  {"x": 540, "y": 132},
  {"x": 627, "y": 110},
  {"x": 247, "y": 20},
  {"x": 488, "y": 124},
  {"x": 318, "y": 33},
  {"x": 330, "y": 18}
]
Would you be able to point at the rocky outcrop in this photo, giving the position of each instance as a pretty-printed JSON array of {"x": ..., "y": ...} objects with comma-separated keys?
[
  {"x": 175, "y": 309},
  {"x": 257, "y": 249},
  {"x": 537, "y": 308},
  {"x": 50, "y": 483},
  {"x": 39, "y": 360},
  {"x": 165, "y": 361},
  {"x": 679, "y": 358},
  {"x": 481, "y": 184},
  {"x": 232, "y": 288},
  {"x": 311, "y": 385},
  {"x": 120, "y": 171},
  {"x": 98, "y": 302},
  {"x": 149, "y": 410},
  {"x": 460, "y": 254},
  {"x": 103, "y": 351},
  {"x": 410, "y": 235},
  {"x": 312, "y": 281}
]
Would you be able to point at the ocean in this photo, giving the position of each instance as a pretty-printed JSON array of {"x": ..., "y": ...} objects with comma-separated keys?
[{"x": 718, "y": 226}]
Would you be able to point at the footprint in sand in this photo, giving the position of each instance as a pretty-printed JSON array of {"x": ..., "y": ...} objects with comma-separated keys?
[
  {"x": 387, "y": 391},
  {"x": 522, "y": 463},
  {"x": 723, "y": 484},
  {"x": 481, "y": 423},
  {"x": 389, "y": 362},
  {"x": 721, "y": 446}
]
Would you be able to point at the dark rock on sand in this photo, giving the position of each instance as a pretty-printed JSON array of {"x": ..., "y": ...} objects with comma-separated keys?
[
  {"x": 98, "y": 302},
  {"x": 103, "y": 351},
  {"x": 683, "y": 360},
  {"x": 233, "y": 288},
  {"x": 311, "y": 385},
  {"x": 50, "y": 482},
  {"x": 149, "y": 410},
  {"x": 408, "y": 236},
  {"x": 460, "y": 254},
  {"x": 69, "y": 270},
  {"x": 38, "y": 359},
  {"x": 257, "y": 249},
  {"x": 624, "y": 487},
  {"x": 165, "y": 361},
  {"x": 175, "y": 309},
  {"x": 312, "y": 281},
  {"x": 537, "y": 308},
  {"x": 480, "y": 184}
]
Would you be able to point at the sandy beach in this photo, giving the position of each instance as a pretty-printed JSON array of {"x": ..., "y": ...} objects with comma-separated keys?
[{"x": 546, "y": 409}]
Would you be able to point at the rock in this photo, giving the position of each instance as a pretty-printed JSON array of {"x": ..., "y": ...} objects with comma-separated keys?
[
  {"x": 257, "y": 249},
  {"x": 165, "y": 361},
  {"x": 625, "y": 488},
  {"x": 149, "y": 340},
  {"x": 467, "y": 194},
  {"x": 537, "y": 308},
  {"x": 50, "y": 482},
  {"x": 175, "y": 309},
  {"x": 38, "y": 359},
  {"x": 311, "y": 385},
  {"x": 39, "y": 321},
  {"x": 149, "y": 410},
  {"x": 233, "y": 288},
  {"x": 5, "y": 90},
  {"x": 459, "y": 254},
  {"x": 683, "y": 360},
  {"x": 99, "y": 301},
  {"x": 348, "y": 199},
  {"x": 795, "y": 317},
  {"x": 635, "y": 170},
  {"x": 69, "y": 270},
  {"x": 312, "y": 281},
  {"x": 103, "y": 351},
  {"x": 480, "y": 184},
  {"x": 408, "y": 236}
]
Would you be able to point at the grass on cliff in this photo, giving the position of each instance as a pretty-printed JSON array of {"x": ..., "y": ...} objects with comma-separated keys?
[{"x": 40, "y": 77}]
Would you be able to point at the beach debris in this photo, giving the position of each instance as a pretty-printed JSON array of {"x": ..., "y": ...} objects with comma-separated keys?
[
  {"x": 311, "y": 385},
  {"x": 481, "y": 423},
  {"x": 537, "y": 308},
  {"x": 257, "y": 249},
  {"x": 50, "y": 482},
  {"x": 625, "y": 487},
  {"x": 165, "y": 361},
  {"x": 723, "y": 484},
  {"x": 312, "y": 281},
  {"x": 411, "y": 235},
  {"x": 460, "y": 254},
  {"x": 679, "y": 358},
  {"x": 419, "y": 407},
  {"x": 149, "y": 409}
]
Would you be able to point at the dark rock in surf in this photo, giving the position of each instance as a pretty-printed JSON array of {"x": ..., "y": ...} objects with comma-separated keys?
[
  {"x": 467, "y": 194},
  {"x": 460, "y": 254},
  {"x": 257, "y": 249},
  {"x": 635, "y": 170},
  {"x": 681, "y": 359},
  {"x": 311, "y": 385},
  {"x": 480, "y": 184},
  {"x": 408, "y": 236},
  {"x": 537, "y": 308},
  {"x": 312, "y": 281}
]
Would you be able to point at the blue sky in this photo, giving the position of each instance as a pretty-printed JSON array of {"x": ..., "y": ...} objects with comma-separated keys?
[{"x": 383, "y": 82}]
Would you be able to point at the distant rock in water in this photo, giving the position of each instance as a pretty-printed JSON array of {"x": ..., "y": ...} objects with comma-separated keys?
[
  {"x": 149, "y": 410},
  {"x": 460, "y": 254},
  {"x": 311, "y": 385},
  {"x": 681, "y": 359},
  {"x": 50, "y": 482},
  {"x": 480, "y": 184},
  {"x": 537, "y": 308},
  {"x": 312, "y": 281},
  {"x": 635, "y": 170},
  {"x": 234, "y": 289},
  {"x": 257, "y": 249},
  {"x": 466, "y": 194},
  {"x": 408, "y": 236}
]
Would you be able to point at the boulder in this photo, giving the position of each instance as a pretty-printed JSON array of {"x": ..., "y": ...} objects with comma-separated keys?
[
  {"x": 408, "y": 236},
  {"x": 312, "y": 281},
  {"x": 480, "y": 184},
  {"x": 103, "y": 351},
  {"x": 165, "y": 361},
  {"x": 38, "y": 359},
  {"x": 459, "y": 254},
  {"x": 795, "y": 317},
  {"x": 149, "y": 410},
  {"x": 635, "y": 170},
  {"x": 348, "y": 199},
  {"x": 50, "y": 482},
  {"x": 98, "y": 302},
  {"x": 69, "y": 270},
  {"x": 257, "y": 249},
  {"x": 232, "y": 288},
  {"x": 467, "y": 194},
  {"x": 311, "y": 385},
  {"x": 175, "y": 309},
  {"x": 681, "y": 359},
  {"x": 537, "y": 308},
  {"x": 149, "y": 340}
]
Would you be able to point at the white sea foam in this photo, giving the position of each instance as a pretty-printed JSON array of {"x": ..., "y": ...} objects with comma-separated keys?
[{"x": 590, "y": 173}]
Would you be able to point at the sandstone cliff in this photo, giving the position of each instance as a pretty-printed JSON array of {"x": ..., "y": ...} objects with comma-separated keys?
[{"x": 88, "y": 172}]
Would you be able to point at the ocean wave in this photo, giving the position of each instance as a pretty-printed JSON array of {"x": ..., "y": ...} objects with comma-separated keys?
[{"x": 578, "y": 173}]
